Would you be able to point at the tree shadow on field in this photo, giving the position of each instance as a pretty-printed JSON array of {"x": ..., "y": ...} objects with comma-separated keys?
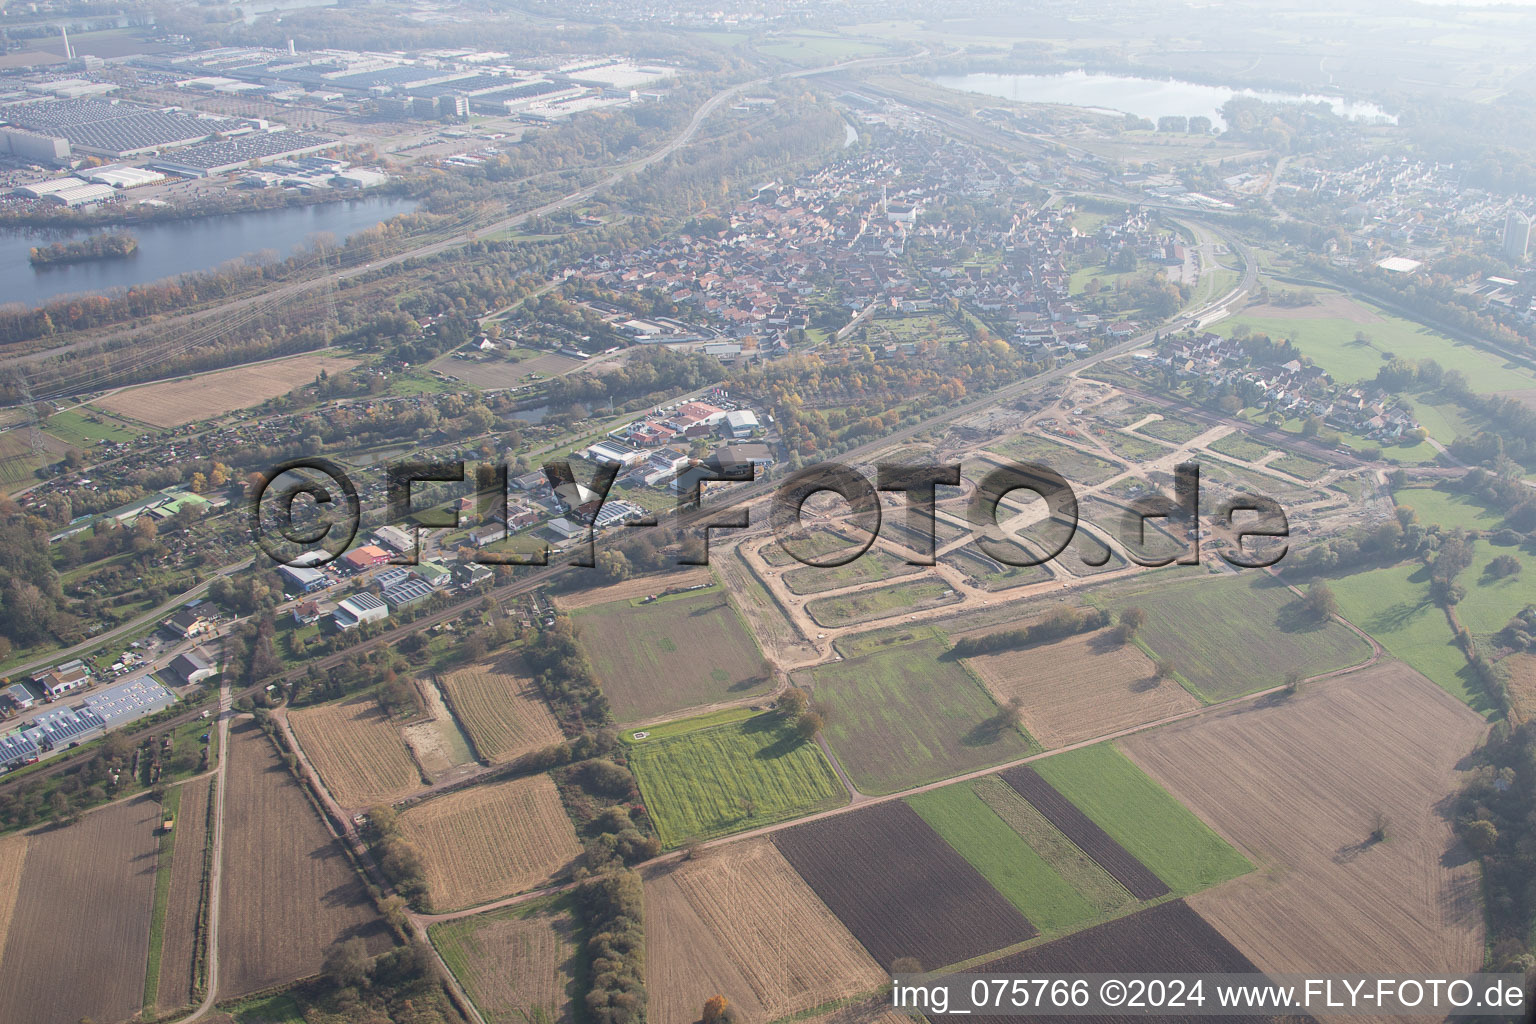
[
  {"x": 781, "y": 747},
  {"x": 1397, "y": 617},
  {"x": 988, "y": 731},
  {"x": 1293, "y": 617},
  {"x": 1147, "y": 684},
  {"x": 1105, "y": 642}
]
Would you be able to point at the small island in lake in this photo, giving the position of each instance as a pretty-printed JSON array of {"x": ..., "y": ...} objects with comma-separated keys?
[{"x": 97, "y": 247}]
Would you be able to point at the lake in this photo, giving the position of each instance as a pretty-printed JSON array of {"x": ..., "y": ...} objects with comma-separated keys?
[
  {"x": 1151, "y": 98},
  {"x": 168, "y": 248}
]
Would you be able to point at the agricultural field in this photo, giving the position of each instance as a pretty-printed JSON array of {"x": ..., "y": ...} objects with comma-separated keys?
[
  {"x": 1327, "y": 334},
  {"x": 1235, "y": 634},
  {"x": 1140, "y": 816},
  {"x": 1080, "y": 468},
  {"x": 880, "y": 602},
  {"x": 731, "y": 776},
  {"x": 1084, "y": 834},
  {"x": 206, "y": 395},
  {"x": 1452, "y": 511},
  {"x": 492, "y": 840},
  {"x": 85, "y": 427},
  {"x": 13, "y": 857},
  {"x": 1080, "y": 871},
  {"x": 183, "y": 911},
  {"x": 911, "y": 714},
  {"x": 925, "y": 902},
  {"x": 1015, "y": 869},
  {"x": 17, "y": 460},
  {"x": 84, "y": 887},
  {"x": 1299, "y": 784},
  {"x": 499, "y": 373},
  {"x": 741, "y": 923},
  {"x": 1519, "y": 678},
  {"x": 874, "y": 564},
  {"x": 501, "y": 709},
  {"x": 674, "y": 653},
  {"x": 1394, "y": 606},
  {"x": 639, "y": 586},
  {"x": 264, "y": 941},
  {"x": 1081, "y": 687},
  {"x": 358, "y": 752},
  {"x": 519, "y": 965},
  {"x": 1167, "y": 938}
]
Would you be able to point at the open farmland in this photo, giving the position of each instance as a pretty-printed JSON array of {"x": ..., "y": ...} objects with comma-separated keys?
[
  {"x": 1235, "y": 634},
  {"x": 741, "y": 923},
  {"x": 1081, "y": 687},
  {"x": 669, "y": 655},
  {"x": 518, "y": 965},
  {"x": 923, "y": 901},
  {"x": 1085, "y": 835},
  {"x": 1014, "y": 868},
  {"x": 729, "y": 777},
  {"x": 911, "y": 714},
  {"x": 1078, "y": 869},
  {"x": 13, "y": 856},
  {"x": 491, "y": 840},
  {"x": 1492, "y": 600},
  {"x": 1394, "y": 606},
  {"x": 1435, "y": 507},
  {"x": 1520, "y": 678},
  {"x": 503, "y": 712},
  {"x": 1165, "y": 939},
  {"x": 878, "y": 602},
  {"x": 1298, "y": 784},
  {"x": 85, "y": 887},
  {"x": 174, "y": 402},
  {"x": 272, "y": 835},
  {"x": 358, "y": 752},
  {"x": 1138, "y": 815},
  {"x": 182, "y": 913}
]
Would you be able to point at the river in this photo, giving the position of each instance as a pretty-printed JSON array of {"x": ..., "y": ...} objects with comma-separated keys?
[
  {"x": 1151, "y": 98},
  {"x": 169, "y": 248}
]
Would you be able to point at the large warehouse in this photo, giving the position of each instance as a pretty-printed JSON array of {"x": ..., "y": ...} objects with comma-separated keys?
[{"x": 118, "y": 130}]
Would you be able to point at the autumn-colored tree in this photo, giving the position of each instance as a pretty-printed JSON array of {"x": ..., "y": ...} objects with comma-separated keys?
[{"x": 714, "y": 1010}]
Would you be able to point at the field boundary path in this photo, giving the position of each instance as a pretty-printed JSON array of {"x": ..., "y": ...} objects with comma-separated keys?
[{"x": 216, "y": 868}]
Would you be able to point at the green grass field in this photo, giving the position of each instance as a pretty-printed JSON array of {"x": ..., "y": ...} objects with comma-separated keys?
[
  {"x": 880, "y": 602},
  {"x": 1235, "y": 634},
  {"x": 1490, "y": 603},
  {"x": 490, "y": 953},
  {"x": 1453, "y": 511},
  {"x": 1080, "y": 468},
  {"x": 729, "y": 777},
  {"x": 1172, "y": 428},
  {"x": 1393, "y": 605},
  {"x": 909, "y": 715},
  {"x": 1330, "y": 343},
  {"x": 1239, "y": 447},
  {"x": 84, "y": 429},
  {"x": 669, "y": 655},
  {"x": 1299, "y": 466},
  {"x": 1131, "y": 448},
  {"x": 17, "y": 462},
  {"x": 1014, "y": 868},
  {"x": 1144, "y": 818},
  {"x": 874, "y": 564}
]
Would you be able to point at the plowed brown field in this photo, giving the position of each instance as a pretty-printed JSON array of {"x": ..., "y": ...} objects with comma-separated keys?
[
  {"x": 181, "y": 914},
  {"x": 1080, "y": 688},
  {"x": 358, "y": 752},
  {"x": 274, "y": 837},
  {"x": 501, "y": 709},
  {"x": 489, "y": 841},
  {"x": 741, "y": 923},
  {"x": 1297, "y": 784},
  {"x": 79, "y": 936},
  {"x": 13, "y": 854},
  {"x": 174, "y": 402}
]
